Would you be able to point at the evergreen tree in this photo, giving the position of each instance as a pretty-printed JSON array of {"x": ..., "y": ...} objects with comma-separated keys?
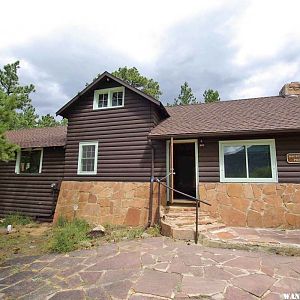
[
  {"x": 50, "y": 121},
  {"x": 211, "y": 96},
  {"x": 133, "y": 77},
  {"x": 186, "y": 96},
  {"x": 8, "y": 104},
  {"x": 24, "y": 113}
]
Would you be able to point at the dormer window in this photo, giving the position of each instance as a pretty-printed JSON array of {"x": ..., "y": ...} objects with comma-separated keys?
[{"x": 109, "y": 98}]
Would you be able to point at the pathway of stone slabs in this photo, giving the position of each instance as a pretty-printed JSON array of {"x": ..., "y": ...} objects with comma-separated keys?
[{"x": 152, "y": 268}]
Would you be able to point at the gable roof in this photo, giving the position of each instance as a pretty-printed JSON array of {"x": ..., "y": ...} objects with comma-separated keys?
[
  {"x": 120, "y": 81},
  {"x": 38, "y": 137},
  {"x": 246, "y": 116}
]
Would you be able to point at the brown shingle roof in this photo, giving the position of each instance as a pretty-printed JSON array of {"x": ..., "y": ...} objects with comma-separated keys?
[
  {"x": 265, "y": 114},
  {"x": 38, "y": 137}
]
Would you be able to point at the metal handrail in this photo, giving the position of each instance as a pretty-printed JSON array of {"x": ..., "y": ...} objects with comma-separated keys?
[{"x": 197, "y": 201}]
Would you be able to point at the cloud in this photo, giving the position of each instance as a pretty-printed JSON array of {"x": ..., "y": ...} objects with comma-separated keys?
[{"x": 241, "y": 48}]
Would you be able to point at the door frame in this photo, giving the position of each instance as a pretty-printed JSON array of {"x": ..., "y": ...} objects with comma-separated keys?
[{"x": 188, "y": 141}]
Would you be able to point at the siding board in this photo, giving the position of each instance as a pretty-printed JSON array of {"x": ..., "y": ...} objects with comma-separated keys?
[
  {"x": 30, "y": 194},
  {"x": 124, "y": 152}
]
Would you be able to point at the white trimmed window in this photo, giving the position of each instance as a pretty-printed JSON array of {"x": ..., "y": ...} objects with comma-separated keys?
[
  {"x": 109, "y": 98},
  {"x": 29, "y": 161},
  {"x": 87, "y": 159},
  {"x": 248, "y": 161}
]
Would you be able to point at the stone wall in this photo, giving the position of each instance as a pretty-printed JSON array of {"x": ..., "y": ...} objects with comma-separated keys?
[
  {"x": 120, "y": 203},
  {"x": 253, "y": 204}
]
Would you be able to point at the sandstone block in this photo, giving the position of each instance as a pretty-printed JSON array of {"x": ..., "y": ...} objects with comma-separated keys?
[
  {"x": 248, "y": 192},
  {"x": 232, "y": 217},
  {"x": 293, "y": 220},
  {"x": 269, "y": 189},
  {"x": 132, "y": 217},
  {"x": 254, "y": 219},
  {"x": 235, "y": 190}
]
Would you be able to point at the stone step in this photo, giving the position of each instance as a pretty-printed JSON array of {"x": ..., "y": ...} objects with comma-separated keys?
[
  {"x": 186, "y": 232},
  {"x": 171, "y": 209},
  {"x": 192, "y": 221}
]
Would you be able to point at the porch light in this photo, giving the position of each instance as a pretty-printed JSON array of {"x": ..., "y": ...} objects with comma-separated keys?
[{"x": 201, "y": 143}]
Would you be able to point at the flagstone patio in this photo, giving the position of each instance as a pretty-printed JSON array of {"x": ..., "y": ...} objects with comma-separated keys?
[{"x": 153, "y": 268}]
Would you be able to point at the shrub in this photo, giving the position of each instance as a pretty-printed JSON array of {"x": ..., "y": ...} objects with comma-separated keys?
[
  {"x": 68, "y": 235},
  {"x": 118, "y": 232},
  {"x": 154, "y": 230},
  {"x": 16, "y": 219}
]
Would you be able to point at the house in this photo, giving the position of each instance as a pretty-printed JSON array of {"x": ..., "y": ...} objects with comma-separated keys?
[{"x": 242, "y": 156}]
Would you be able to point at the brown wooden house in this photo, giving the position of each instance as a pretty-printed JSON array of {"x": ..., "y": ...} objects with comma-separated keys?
[{"x": 242, "y": 156}]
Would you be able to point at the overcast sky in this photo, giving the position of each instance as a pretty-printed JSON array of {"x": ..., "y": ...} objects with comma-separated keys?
[{"x": 241, "y": 48}]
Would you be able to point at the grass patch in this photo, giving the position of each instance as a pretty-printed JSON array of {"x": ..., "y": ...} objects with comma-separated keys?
[
  {"x": 16, "y": 219},
  {"x": 116, "y": 233},
  {"x": 154, "y": 230},
  {"x": 68, "y": 235}
]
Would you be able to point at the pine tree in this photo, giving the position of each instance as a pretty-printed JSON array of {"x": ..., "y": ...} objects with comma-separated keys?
[
  {"x": 211, "y": 96},
  {"x": 186, "y": 96}
]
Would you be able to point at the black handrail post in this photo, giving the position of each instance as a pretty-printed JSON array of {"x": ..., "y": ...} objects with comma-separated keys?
[
  {"x": 197, "y": 213},
  {"x": 158, "y": 201},
  {"x": 197, "y": 200}
]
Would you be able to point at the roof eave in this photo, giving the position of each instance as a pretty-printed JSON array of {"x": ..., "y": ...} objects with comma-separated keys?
[
  {"x": 224, "y": 133},
  {"x": 150, "y": 98}
]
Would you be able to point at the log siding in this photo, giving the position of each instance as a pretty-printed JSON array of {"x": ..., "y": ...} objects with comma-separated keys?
[
  {"x": 124, "y": 152},
  {"x": 31, "y": 194},
  {"x": 287, "y": 173}
]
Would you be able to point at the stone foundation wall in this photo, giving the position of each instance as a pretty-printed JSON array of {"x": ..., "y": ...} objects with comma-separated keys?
[
  {"x": 119, "y": 203},
  {"x": 253, "y": 204}
]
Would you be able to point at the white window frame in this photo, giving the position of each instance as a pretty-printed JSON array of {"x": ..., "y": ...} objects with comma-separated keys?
[
  {"x": 110, "y": 92},
  {"x": 18, "y": 160},
  {"x": 270, "y": 142},
  {"x": 88, "y": 143}
]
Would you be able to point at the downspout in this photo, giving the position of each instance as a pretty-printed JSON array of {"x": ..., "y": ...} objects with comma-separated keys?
[{"x": 151, "y": 185}]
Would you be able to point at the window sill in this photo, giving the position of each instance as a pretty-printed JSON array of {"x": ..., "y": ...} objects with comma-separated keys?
[
  {"x": 108, "y": 107},
  {"x": 239, "y": 180},
  {"x": 89, "y": 173}
]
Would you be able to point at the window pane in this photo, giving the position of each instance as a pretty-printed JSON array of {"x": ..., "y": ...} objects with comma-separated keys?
[
  {"x": 88, "y": 158},
  {"x": 30, "y": 161},
  {"x": 259, "y": 161},
  {"x": 103, "y": 100},
  {"x": 117, "y": 98},
  {"x": 87, "y": 165},
  {"x": 235, "y": 162}
]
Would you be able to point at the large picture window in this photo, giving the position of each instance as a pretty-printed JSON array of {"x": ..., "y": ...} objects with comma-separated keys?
[
  {"x": 87, "y": 159},
  {"x": 248, "y": 161},
  {"x": 29, "y": 161},
  {"x": 109, "y": 98}
]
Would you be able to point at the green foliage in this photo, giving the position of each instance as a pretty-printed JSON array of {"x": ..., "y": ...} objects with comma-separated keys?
[
  {"x": 16, "y": 219},
  {"x": 50, "y": 121},
  {"x": 154, "y": 230},
  {"x": 117, "y": 233},
  {"x": 68, "y": 235},
  {"x": 7, "y": 106},
  {"x": 26, "y": 118},
  {"x": 186, "y": 96},
  {"x": 133, "y": 77},
  {"x": 211, "y": 96},
  {"x": 9, "y": 84},
  {"x": 22, "y": 113}
]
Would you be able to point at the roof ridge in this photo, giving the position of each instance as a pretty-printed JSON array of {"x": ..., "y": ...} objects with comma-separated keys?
[
  {"x": 35, "y": 128},
  {"x": 226, "y": 101}
]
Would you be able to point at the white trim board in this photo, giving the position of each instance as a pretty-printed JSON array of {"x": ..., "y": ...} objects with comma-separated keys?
[
  {"x": 269, "y": 142},
  {"x": 18, "y": 160},
  {"x": 87, "y": 143},
  {"x": 108, "y": 91},
  {"x": 189, "y": 141}
]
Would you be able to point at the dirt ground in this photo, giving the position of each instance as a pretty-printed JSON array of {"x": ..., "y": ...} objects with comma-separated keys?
[{"x": 28, "y": 239}]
